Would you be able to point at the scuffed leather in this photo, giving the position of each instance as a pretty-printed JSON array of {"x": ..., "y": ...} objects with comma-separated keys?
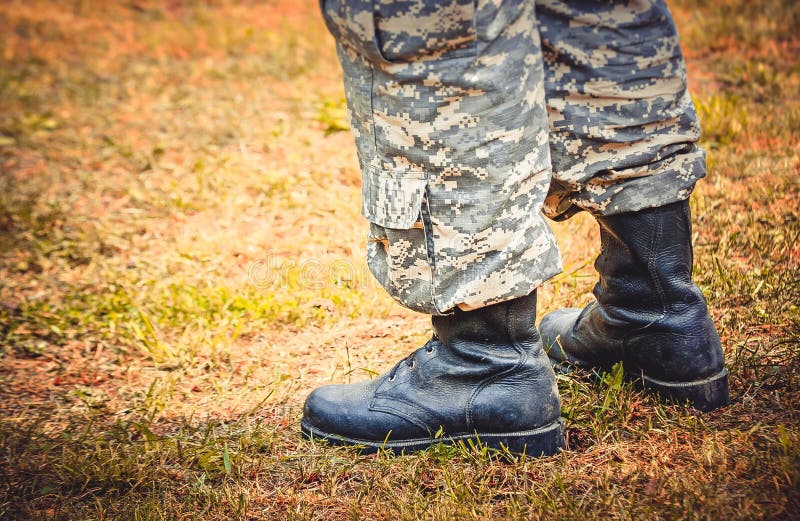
[
  {"x": 648, "y": 314},
  {"x": 483, "y": 371}
]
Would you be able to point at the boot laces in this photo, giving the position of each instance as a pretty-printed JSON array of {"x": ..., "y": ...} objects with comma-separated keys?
[{"x": 410, "y": 360}]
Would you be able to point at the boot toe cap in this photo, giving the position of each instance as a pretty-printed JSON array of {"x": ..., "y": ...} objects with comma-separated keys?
[
  {"x": 343, "y": 412},
  {"x": 334, "y": 409}
]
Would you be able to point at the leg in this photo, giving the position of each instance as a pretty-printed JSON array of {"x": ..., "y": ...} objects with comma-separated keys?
[
  {"x": 447, "y": 106},
  {"x": 623, "y": 140}
]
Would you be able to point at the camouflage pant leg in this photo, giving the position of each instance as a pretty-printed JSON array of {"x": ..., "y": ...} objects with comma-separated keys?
[
  {"x": 623, "y": 127},
  {"x": 446, "y": 100}
]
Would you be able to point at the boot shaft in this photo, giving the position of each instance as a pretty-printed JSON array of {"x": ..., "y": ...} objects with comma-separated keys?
[
  {"x": 495, "y": 367},
  {"x": 645, "y": 265},
  {"x": 498, "y": 325}
]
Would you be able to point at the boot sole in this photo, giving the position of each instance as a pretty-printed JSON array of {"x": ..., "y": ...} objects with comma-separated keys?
[
  {"x": 705, "y": 394},
  {"x": 544, "y": 441}
]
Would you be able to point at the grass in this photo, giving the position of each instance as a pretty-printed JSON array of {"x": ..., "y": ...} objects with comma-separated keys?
[{"x": 181, "y": 263}]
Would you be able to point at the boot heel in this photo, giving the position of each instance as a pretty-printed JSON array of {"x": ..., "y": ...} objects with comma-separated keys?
[
  {"x": 706, "y": 394},
  {"x": 544, "y": 441}
]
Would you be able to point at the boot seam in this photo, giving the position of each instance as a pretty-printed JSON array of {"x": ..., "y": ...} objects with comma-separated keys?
[
  {"x": 402, "y": 415},
  {"x": 652, "y": 272}
]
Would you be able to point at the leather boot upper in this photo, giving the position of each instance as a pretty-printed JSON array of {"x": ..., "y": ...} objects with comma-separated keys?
[
  {"x": 483, "y": 371},
  {"x": 648, "y": 313}
]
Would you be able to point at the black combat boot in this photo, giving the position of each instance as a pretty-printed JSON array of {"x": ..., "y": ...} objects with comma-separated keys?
[
  {"x": 483, "y": 376},
  {"x": 649, "y": 315}
]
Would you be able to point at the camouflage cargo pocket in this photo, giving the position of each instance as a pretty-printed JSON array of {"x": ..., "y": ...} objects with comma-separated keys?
[
  {"x": 397, "y": 247},
  {"x": 392, "y": 31},
  {"x": 412, "y": 30}
]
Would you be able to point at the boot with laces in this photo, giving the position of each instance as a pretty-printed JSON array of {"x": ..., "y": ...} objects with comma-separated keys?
[{"x": 482, "y": 377}]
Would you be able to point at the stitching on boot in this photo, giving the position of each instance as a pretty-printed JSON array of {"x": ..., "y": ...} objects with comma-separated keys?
[
  {"x": 388, "y": 409},
  {"x": 652, "y": 259},
  {"x": 653, "y": 272}
]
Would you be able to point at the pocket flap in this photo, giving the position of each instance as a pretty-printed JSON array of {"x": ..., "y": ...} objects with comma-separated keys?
[{"x": 392, "y": 199}]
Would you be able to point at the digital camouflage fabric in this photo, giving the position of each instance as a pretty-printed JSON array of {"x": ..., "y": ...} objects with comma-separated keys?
[
  {"x": 623, "y": 129},
  {"x": 449, "y": 104}
]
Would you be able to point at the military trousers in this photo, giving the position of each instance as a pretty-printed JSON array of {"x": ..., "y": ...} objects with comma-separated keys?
[{"x": 473, "y": 119}]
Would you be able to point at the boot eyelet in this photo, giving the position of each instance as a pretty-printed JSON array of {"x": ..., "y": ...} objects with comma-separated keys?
[
  {"x": 391, "y": 378},
  {"x": 411, "y": 364}
]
